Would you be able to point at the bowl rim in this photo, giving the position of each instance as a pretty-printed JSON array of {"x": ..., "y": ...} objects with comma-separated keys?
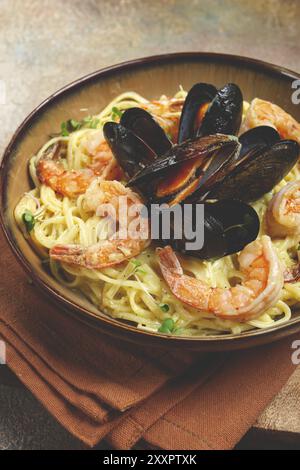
[{"x": 107, "y": 323}]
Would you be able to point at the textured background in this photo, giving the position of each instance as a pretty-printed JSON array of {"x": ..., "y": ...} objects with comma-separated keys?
[{"x": 45, "y": 44}]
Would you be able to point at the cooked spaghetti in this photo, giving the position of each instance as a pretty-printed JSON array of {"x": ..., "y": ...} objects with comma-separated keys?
[{"x": 135, "y": 290}]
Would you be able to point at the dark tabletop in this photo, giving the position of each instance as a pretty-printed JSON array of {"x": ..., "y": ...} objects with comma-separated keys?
[{"x": 45, "y": 44}]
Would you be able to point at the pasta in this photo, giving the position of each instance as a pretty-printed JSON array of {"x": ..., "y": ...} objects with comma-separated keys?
[{"x": 134, "y": 290}]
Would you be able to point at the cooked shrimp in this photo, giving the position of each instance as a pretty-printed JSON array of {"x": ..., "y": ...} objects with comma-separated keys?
[
  {"x": 128, "y": 241},
  {"x": 283, "y": 213},
  {"x": 69, "y": 183},
  {"x": 52, "y": 172},
  {"x": 261, "y": 112},
  {"x": 103, "y": 161},
  {"x": 167, "y": 112},
  {"x": 260, "y": 289},
  {"x": 101, "y": 255}
]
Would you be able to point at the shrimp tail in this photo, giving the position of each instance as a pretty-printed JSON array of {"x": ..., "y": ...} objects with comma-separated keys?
[
  {"x": 67, "y": 253},
  {"x": 169, "y": 261}
]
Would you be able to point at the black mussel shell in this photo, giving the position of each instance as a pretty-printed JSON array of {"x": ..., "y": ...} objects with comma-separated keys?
[
  {"x": 224, "y": 114},
  {"x": 142, "y": 124},
  {"x": 257, "y": 172},
  {"x": 198, "y": 96},
  {"x": 260, "y": 135},
  {"x": 240, "y": 223},
  {"x": 174, "y": 164},
  {"x": 131, "y": 152},
  {"x": 229, "y": 225}
]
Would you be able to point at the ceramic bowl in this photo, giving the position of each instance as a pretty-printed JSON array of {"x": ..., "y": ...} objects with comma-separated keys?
[{"x": 151, "y": 77}]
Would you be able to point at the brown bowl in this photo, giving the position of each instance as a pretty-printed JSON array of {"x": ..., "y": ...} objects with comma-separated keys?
[{"x": 150, "y": 77}]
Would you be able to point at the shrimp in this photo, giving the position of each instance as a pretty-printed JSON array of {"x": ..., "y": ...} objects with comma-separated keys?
[
  {"x": 71, "y": 183},
  {"x": 103, "y": 161},
  {"x": 121, "y": 245},
  {"x": 167, "y": 112},
  {"x": 260, "y": 289},
  {"x": 263, "y": 112},
  {"x": 283, "y": 213},
  {"x": 283, "y": 219}
]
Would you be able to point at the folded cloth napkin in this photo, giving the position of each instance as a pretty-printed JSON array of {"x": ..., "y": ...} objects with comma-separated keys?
[{"x": 99, "y": 387}]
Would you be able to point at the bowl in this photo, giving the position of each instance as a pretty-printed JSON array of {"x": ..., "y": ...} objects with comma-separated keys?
[{"x": 151, "y": 77}]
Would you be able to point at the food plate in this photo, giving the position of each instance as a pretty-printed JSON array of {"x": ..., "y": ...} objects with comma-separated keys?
[{"x": 150, "y": 77}]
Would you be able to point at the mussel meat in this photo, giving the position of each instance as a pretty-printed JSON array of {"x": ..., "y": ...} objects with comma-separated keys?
[{"x": 183, "y": 170}]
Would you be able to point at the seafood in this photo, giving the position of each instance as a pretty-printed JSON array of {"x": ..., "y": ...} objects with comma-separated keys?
[
  {"x": 167, "y": 114},
  {"x": 69, "y": 183},
  {"x": 283, "y": 214},
  {"x": 228, "y": 226},
  {"x": 262, "y": 112},
  {"x": 201, "y": 167},
  {"x": 103, "y": 162},
  {"x": 51, "y": 170},
  {"x": 101, "y": 255},
  {"x": 131, "y": 237},
  {"x": 258, "y": 161},
  {"x": 260, "y": 289}
]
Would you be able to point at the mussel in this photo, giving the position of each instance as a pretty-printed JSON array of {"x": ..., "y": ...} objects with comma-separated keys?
[
  {"x": 245, "y": 172},
  {"x": 208, "y": 111},
  {"x": 209, "y": 165},
  {"x": 131, "y": 152},
  {"x": 227, "y": 226}
]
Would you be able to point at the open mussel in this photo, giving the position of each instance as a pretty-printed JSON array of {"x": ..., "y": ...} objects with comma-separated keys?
[
  {"x": 228, "y": 226},
  {"x": 258, "y": 136},
  {"x": 185, "y": 167},
  {"x": 195, "y": 106},
  {"x": 237, "y": 170},
  {"x": 131, "y": 152},
  {"x": 142, "y": 124},
  {"x": 210, "y": 111},
  {"x": 216, "y": 169},
  {"x": 257, "y": 172}
]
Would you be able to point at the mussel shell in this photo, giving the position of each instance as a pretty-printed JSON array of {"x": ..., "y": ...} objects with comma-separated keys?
[
  {"x": 215, "y": 171},
  {"x": 224, "y": 115},
  {"x": 260, "y": 135},
  {"x": 199, "y": 95},
  {"x": 131, "y": 152},
  {"x": 240, "y": 224},
  {"x": 257, "y": 172},
  {"x": 142, "y": 124},
  {"x": 229, "y": 225},
  {"x": 200, "y": 148}
]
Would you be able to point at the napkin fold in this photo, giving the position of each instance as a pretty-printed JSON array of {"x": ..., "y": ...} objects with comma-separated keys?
[{"x": 100, "y": 387}]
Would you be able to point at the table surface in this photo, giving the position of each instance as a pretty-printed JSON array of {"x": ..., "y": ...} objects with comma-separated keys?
[{"x": 45, "y": 44}]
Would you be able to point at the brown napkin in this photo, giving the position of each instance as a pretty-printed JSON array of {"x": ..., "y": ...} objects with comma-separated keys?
[{"x": 97, "y": 386}]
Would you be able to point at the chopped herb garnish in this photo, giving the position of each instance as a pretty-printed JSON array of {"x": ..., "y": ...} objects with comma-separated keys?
[
  {"x": 87, "y": 119},
  {"x": 73, "y": 125},
  {"x": 136, "y": 263},
  {"x": 116, "y": 113},
  {"x": 29, "y": 220},
  {"x": 164, "y": 307},
  {"x": 167, "y": 326},
  {"x": 140, "y": 271},
  {"x": 298, "y": 247},
  {"x": 94, "y": 123},
  {"x": 64, "y": 129}
]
